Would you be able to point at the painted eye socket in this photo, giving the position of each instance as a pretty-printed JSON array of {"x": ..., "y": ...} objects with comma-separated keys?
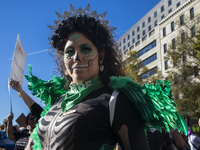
[
  {"x": 86, "y": 48},
  {"x": 69, "y": 51}
]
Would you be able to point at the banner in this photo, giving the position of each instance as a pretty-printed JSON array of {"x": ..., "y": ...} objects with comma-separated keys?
[{"x": 18, "y": 62}]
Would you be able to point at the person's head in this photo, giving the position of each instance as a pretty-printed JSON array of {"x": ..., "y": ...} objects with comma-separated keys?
[
  {"x": 83, "y": 44},
  {"x": 5, "y": 121},
  {"x": 31, "y": 121}
]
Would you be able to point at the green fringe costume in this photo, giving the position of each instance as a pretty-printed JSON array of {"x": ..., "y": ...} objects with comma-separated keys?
[{"x": 154, "y": 103}]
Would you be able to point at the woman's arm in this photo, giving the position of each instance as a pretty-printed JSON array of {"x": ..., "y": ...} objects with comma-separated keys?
[
  {"x": 180, "y": 142},
  {"x": 128, "y": 126},
  {"x": 25, "y": 97}
]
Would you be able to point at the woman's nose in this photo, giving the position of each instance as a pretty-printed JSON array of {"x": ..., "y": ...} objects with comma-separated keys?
[{"x": 76, "y": 57}]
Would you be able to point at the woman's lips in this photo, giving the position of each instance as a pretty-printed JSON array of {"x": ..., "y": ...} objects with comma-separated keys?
[{"x": 79, "y": 67}]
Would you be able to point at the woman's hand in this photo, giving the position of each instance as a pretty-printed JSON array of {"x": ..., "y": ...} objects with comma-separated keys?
[
  {"x": 15, "y": 85},
  {"x": 10, "y": 117}
]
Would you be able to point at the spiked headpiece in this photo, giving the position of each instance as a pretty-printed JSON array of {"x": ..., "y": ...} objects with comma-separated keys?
[{"x": 80, "y": 12}]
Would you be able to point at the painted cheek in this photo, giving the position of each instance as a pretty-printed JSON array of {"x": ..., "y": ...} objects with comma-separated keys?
[{"x": 67, "y": 63}]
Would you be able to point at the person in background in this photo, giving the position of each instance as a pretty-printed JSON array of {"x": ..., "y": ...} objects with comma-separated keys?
[
  {"x": 194, "y": 140},
  {"x": 31, "y": 119},
  {"x": 178, "y": 140},
  {"x": 5, "y": 142},
  {"x": 159, "y": 140},
  {"x": 21, "y": 136}
]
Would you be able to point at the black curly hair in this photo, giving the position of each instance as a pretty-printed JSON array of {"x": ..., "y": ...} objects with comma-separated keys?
[{"x": 99, "y": 35}]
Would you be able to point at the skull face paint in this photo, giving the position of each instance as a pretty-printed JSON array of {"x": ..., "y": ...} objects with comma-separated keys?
[{"x": 81, "y": 58}]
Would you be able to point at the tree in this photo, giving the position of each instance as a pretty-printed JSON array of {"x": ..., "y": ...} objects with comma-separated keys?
[
  {"x": 184, "y": 75},
  {"x": 139, "y": 73}
]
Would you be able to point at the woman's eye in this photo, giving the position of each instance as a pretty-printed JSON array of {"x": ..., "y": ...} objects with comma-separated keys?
[
  {"x": 69, "y": 52},
  {"x": 86, "y": 48}
]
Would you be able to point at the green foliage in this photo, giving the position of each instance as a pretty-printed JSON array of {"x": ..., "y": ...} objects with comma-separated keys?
[
  {"x": 185, "y": 58},
  {"x": 135, "y": 69}
]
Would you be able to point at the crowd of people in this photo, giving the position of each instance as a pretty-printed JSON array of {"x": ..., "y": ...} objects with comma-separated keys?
[{"x": 93, "y": 105}]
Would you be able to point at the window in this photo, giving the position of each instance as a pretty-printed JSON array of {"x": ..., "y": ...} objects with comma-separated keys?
[
  {"x": 138, "y": 29},
  {"x": 178, "y": 4},
  {"x": 149, "y": 19},
  {"x": 143, "y": 32},
  {"x": 166, "y": 65},
  {"x": 120, "y": 50},
  {"x": 193, "y": 31},
  {"x": 143, "y": 24},
  {"x": 155, "y": 14},
  {"x": 191, "y": 13},
  {"x": 146, "y": 49},
  {"x": 173, "y": 43},
  {"x": 152, "y": 32},
  {"x": 128, "y": 37},
  {"x": 170, "y": 10},
  {"x": 182, "y": 37},
  {"x": 133, "y": 41},
  {"x": 138, "y": 36},
  {"x": 150, "y": 59},
  {"x": 149, "y": 28},
  {"x": 163, "y": 16},
  {"x": 124, "y": 40},
  {"x": 128, "y": 44},
  {"x": 162, "y": 8},
  {"x": 172, "y": 26},
  {"x": 169, "y": 3},
  {"x": 125, "y": 52},
  {"x": 133, "y": 33},
  {"x": 132, "y": 47},
  {"x": 165, "y": 47},
  {"x": 120, "y": 44},
  {"x": 156, "y": 23},
  {"x": 181, "y": 19},
  {"x": 124, "y": 47},
  {"x": 149, "y": 73},
  {"x": 144, "y": 38},
  {"x": 137, "y": 43},
  {"x": 164, "y": 32}
]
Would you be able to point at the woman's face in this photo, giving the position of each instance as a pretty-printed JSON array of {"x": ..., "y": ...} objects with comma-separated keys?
[{"x": 81, "y": 58}]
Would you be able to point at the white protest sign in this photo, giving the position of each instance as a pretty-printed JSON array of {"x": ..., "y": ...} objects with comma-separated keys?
[{"x": 18, "y": 62}]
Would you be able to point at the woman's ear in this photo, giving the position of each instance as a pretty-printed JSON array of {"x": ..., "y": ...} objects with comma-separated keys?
[{"x": 101, "y": 57}]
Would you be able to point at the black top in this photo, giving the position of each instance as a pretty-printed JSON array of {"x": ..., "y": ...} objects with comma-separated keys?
[
  {"x": 158, "y": 140},
  {"x": 87, "y": 124},
  {"x": 36, "y": 111},
  {"x": 21, "y": 137}
]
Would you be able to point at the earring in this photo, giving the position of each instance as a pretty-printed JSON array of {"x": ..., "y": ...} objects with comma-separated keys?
[
  {"x": 66, "y": 73},
  {"x": 101, "y": 68}
]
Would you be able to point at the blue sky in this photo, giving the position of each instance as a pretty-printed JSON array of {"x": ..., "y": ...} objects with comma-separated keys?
[{"x": 29, "y": 19}]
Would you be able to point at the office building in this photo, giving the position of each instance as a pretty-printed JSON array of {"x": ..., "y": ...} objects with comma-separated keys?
[{"x": 153, "y": 33}]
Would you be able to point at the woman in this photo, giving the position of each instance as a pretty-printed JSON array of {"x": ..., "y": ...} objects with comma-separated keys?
[
  {"x": 89, "y": 60},
  {"x": 87, "y": 55},
  {"x": 80, "y": 118}
]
